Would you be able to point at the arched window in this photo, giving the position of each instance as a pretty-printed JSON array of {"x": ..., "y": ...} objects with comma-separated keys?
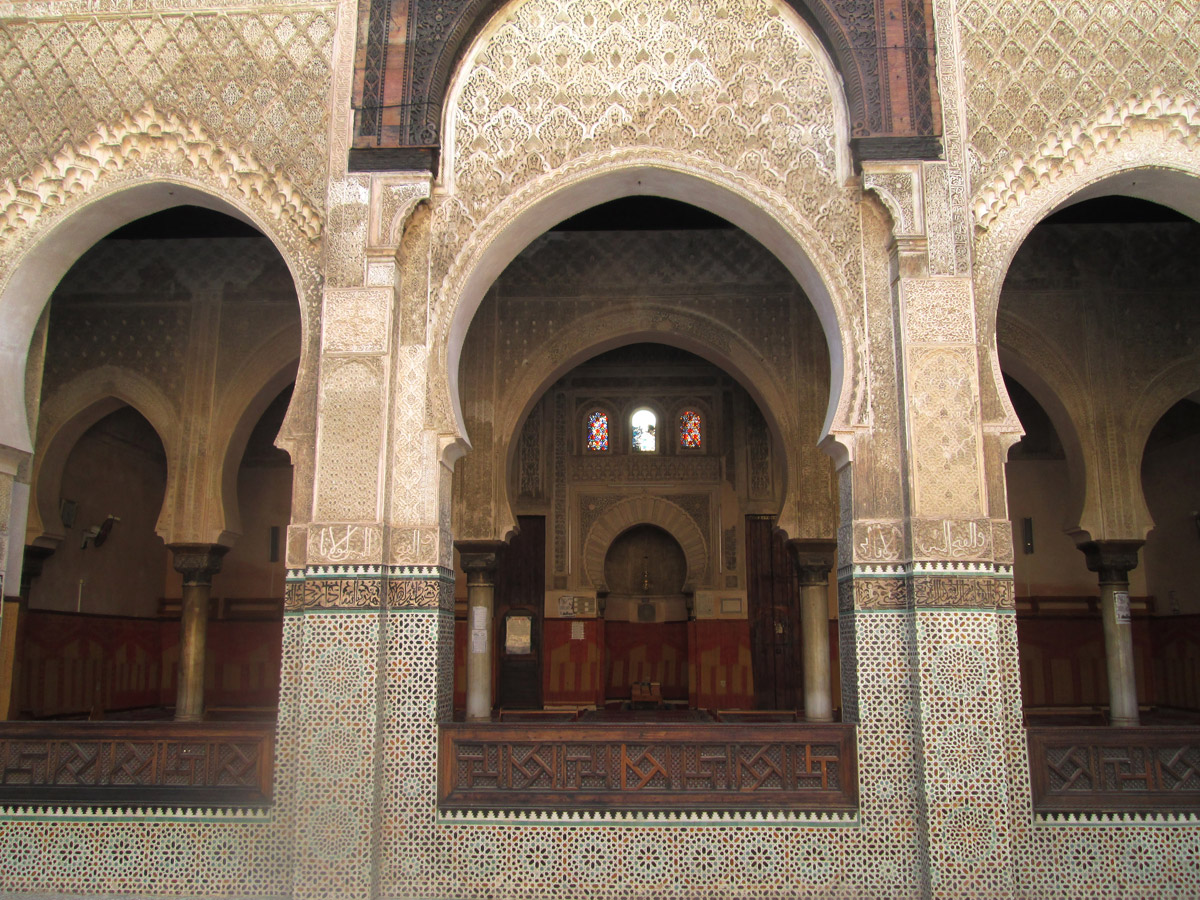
[
  {"x": 691, "y": 436},
  {"x": 644, "y": 422},
  {"x": 597, "y": 431}
]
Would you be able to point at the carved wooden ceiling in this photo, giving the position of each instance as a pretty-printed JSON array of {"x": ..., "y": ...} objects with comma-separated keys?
[{"x": 408, "y": 49}]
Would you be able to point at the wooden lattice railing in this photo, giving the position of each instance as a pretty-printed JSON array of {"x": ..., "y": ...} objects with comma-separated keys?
[
  {"x": 1090, "y": 769},
  {"x": 642, "y": 766},
  {"x": 136, "y": 763}
]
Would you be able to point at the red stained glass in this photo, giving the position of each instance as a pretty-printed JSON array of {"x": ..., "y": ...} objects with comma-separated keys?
[
  {"x": 689, "y": 429},
  {"x": 597, "y": 436}
]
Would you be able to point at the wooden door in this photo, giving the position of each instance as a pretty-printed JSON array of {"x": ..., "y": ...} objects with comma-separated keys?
[
  {"x": 774, "y": 608},
  {"x": 520, "y": 593}
]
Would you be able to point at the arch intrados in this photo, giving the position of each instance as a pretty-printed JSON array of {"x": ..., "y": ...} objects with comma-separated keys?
[
  {"x": 656, "y": 180},
  {"x": 1016, "y": 368},
  {"x": 40, "y": 268}
]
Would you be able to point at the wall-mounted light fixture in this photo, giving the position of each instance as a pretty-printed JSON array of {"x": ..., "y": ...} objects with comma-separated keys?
[{"x": 1027, "y": 534}]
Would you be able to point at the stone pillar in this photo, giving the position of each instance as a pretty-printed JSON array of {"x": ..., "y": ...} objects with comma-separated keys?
[
  {"x": 478, "y": 560},
  {"x": 1112, "y": 561},
  {"x": 197, "y": 563},
  {"x": 813, "y": 561}
]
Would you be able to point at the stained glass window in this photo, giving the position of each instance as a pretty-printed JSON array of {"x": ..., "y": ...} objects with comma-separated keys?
[
  {"x": 689, "y": 429},
  {"x": 643, "y": 430},
  {"x": 597, "y": 434}
]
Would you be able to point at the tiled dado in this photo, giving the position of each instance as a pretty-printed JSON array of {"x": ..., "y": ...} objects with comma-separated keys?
[
  {"x": 926, "y": 585},
  {"x": 369, "y": 587}
]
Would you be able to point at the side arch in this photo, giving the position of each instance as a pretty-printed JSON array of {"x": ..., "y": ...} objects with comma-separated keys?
[
  {"x": 1148, "y": 147},
  {"x": 646, "y": 510},
  {"x": 141, "y": 165},
  {"x": 75, "y": 408}
]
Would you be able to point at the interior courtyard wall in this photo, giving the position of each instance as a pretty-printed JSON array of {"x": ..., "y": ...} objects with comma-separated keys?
[{"x": 922, "y": 682}]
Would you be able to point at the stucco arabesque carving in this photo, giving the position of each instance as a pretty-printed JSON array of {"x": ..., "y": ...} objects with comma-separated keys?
[
  {"x": 1072, "y": 148},
  {"x": 75, "y": 170}
]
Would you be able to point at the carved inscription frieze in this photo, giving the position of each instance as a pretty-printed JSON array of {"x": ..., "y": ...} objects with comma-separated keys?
[
  {"x": 343, "y": 592},
  {"x": 644, "y": 468}
]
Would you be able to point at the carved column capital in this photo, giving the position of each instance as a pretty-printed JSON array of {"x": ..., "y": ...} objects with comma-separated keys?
[
  {"x": 1112, "y": 560},
  {"x": 197, "y": 563},
  {"x": 813, "y": 559},
  {"x": 479, "y": 559}
]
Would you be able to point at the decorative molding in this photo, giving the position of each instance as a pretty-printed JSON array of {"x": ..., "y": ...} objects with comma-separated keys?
[
  {"x": 393, "y": 199},
  {"x": 1071, "y": 148},
  {"x": 899, "y": 187},
  {"x": 74, "y": 170}
]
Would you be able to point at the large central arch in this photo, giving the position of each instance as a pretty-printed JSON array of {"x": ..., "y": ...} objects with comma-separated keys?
[{"x": 647, "y": 176}]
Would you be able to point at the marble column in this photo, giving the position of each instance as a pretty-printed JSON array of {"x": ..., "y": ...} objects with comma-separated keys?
[
  {"x": 197, "y": 563},
  {"x": 813, "y": 561},
  {"x": 478, "y": 560},
  {"x": 1113, "y": 561}
]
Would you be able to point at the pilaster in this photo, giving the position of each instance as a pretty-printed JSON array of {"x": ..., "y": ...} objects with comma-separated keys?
[{"x": 949, "y": 588}]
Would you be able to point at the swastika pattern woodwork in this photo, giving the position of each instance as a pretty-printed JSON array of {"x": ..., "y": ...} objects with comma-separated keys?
[
  {"x": 136, "y": 763},
  {"x": 1084, "y": 769},
  {"x": 697, "y": 766}
]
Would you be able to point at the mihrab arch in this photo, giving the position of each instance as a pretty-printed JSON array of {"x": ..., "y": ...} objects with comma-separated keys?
[{"x": 646, "y": 510}]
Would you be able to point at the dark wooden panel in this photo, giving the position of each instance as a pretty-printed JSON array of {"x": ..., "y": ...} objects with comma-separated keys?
[
  {"x": 773, "y": 598},
  {"x": 136, "y": 763},
  {"x": 1100, "y": 769},
  {"x": 520, "y": 588},
  {"x": 641, "y": 766}
]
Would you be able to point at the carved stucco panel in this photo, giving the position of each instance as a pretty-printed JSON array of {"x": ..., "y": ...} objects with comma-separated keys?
[
  {"x": 1030, "y": 66},
  {"x": 416, "y": 454},
  {"x": 346, "y": 231},
  {"x": 341, "y": 544},
  {"x": 944, "y": 418},
  {"x": 356, "y": 320},
  {"x": 350, "y": 439},
  {"x": 938, "y": 309},
  {"x": 251, "y": 77},
  {"x": 952, "y": 539}
]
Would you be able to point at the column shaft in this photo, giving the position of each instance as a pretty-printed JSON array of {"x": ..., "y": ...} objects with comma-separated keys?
[
  {"x": 1113, "y": 560},
  {"x": 197, "y": 563},
  {"x": 478, "y": 559},
  {"x": 814, "y": 652},
  {"x": 813, "y": 561}
]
